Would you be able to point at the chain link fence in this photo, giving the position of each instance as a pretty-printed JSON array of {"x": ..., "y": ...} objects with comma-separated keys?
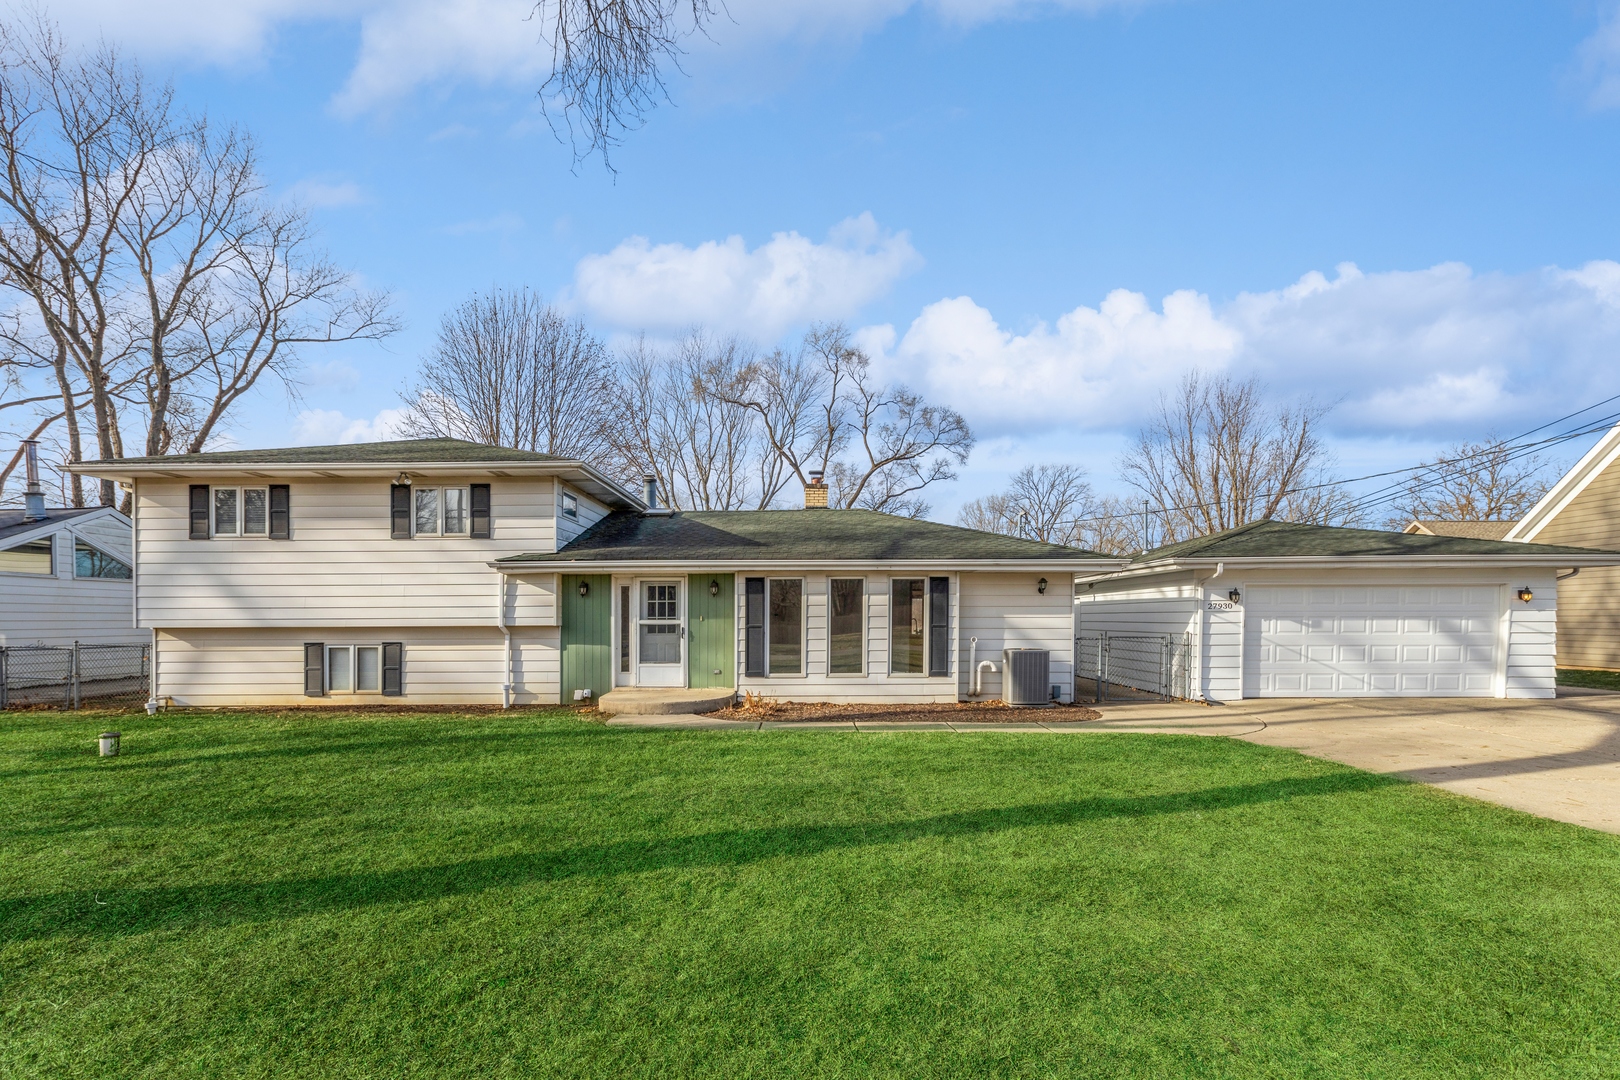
[
  {"x": 1132, "y": 667},
  {"x": 66, "y": 677}
]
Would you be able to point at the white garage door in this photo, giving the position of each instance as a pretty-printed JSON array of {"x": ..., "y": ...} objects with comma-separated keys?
[{"x": 1348, "y": 640}]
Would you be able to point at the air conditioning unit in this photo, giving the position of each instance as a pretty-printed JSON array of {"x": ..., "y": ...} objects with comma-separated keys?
[{"x": 1026, "y": 677}]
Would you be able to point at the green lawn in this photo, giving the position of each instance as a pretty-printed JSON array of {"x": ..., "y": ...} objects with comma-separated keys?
[
  {"x": 1596, "y": 680},
  {"x": 533, "y": 895}
]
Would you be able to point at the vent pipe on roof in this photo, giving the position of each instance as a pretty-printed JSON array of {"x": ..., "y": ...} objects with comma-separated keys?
[
  {"x": 34, "y": 499},
  {"x": 651, "y": 498}
]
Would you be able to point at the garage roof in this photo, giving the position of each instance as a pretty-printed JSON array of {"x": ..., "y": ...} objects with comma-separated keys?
[{"x": 1286, "y": 540}]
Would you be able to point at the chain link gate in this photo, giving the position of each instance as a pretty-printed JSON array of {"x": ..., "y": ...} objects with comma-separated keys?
[
  {"x": 1126, "y": 667},
  {"x": 68, "y": 677}
]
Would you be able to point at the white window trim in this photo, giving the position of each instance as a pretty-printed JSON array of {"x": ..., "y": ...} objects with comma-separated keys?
[
  {"x": 923, "y": 674},
  {"x": 354, "y": 669},
  {"x": 466, "y": 511},
  {"x": 241, "y": 512},
  {"x": 804, "y": 631},
  {"x": 866, "y": 619}
]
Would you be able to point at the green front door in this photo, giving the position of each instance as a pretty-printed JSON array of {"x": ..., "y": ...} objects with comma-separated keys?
[
  {"x": 711, "y": 637},
  {"x": 587, "y": 635}
]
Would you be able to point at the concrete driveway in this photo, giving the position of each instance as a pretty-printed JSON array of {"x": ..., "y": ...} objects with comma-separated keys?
[{"x": 1558, "y": 759}]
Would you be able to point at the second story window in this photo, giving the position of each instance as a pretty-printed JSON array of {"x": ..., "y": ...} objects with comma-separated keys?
[
  {"x": 449, "y": 511},
  {"x": 245, "y": 511},
  {"x": 570, "y": 504},
  {"x": 427, "y": 511}
]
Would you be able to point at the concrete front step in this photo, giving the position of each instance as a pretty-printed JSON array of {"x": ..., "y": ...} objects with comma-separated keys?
[{"x": 642, "y": 701}]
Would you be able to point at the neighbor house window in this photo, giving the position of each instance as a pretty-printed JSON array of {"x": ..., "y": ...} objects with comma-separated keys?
[
  {"x": 570, "y": 504},
  {"x": 243, "y": 512},
  {"x": 90, "y": 562},
  {"x": 785, "y": 630},
  {"x": 845, "y": 625},
  {"x": 34, "y": 557},
  {"x": 908, "y": 626},
  {"x": 353, "y": 669}
]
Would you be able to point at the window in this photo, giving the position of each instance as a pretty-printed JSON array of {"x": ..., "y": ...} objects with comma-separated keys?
[
  {"x": 785, "y": 631},
  {"x": 570, "y": 504},
  {"x": 89, "y": 562},
  {"x": 624, "y": 628},
  {"x": 353, "y": 669},
  {"x": 225, "y": 506},
  {"x": 455, "y": 511},
  {"x": 34, "y": 557},
  {"x": 660, "y": 624},
  {"x": 241, "y": 511},
  {"x": 427, "y": 511},
  {"x": 908, "y": 625},
  {"x": 845, "y": 622}
]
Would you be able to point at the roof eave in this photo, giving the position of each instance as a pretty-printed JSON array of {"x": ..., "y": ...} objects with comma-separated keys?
[
  {"x": 1050, "y": 566},
  {"x": 1568, "y": 487},
  {"x": 1289, "y": 562}
]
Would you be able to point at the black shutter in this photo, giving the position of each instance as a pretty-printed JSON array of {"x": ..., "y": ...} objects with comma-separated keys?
[
  {"x": 939, "y": 626},
  {"x": 199, "y": 511},
  {"x": 393, "y": 657},
  {"x": 754, "y": 627},
  {"x": 399, "y": 511},
  {"x": 480, "y": 512},
  {"x": 280, "y": 512},
  {"x": 314, "y": 669}
]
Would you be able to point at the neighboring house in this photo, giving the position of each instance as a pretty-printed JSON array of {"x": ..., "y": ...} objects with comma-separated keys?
[
  {"x": 1283, "y": 610},
  {"x": 66, "y": 577},
  {"x": 443, "y": 572},
  {"x": 1469, "y": 530},
  {"x": 1583, "y": 508}
]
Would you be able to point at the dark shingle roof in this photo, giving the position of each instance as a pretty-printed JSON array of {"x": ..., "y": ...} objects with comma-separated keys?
[
  {"x": 1473, "y": 530},
  {"x": 1283, "y": 539},
  {"x": 12, "y": 523},
  {"x": 811, "y": 535},
  {"x": 399, "y": 452}
]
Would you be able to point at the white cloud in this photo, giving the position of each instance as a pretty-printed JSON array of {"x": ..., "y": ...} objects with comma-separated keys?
[
  {"x": 327, "y": 427},
  {"x": 1599, "y": 61},
  {"x": 324, "y": 195},
  {"x": 1429, "y": 353},
  {"x": 784, "y": 282},
  {"x": 408, "y": 44}
]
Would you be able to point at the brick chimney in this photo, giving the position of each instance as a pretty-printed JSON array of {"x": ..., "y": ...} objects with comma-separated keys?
[{"x": 815, "y": 492}]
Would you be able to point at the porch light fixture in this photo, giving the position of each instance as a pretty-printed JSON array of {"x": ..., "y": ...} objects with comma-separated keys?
[
  {"x": 1040, "y": 586},
  {"x": 1526, "y": 595},
  {"x": 714, "y": 588},
  {"x": 403, "y": 479},
  {"x": 584, "y": 588},
  {"x": 1234, "y": 596}
]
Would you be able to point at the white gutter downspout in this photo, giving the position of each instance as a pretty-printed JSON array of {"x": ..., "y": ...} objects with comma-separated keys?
[
  {"x": 978, "y": 666},
  {"x": 506, "y": 634}
]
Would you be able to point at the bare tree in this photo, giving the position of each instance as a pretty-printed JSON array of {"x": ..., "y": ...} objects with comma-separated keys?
[
  {"x": 820, "y": 408},
  {"x": 508, "y": 369},
  {"x": 1473, "y": 481},
  {"x": 1217, "y": 455},
  {"x": 157, "y": 286},
  {"x": 607, "y": 59},
  {"x": 1042, "y": 502},
  {"x": 706, "y": 453}
]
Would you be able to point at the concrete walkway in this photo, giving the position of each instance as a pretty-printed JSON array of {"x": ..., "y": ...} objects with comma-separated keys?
[{"x": 1559, "y": 759}]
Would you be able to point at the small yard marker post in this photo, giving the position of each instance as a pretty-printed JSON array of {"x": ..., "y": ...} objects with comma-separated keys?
[{"x": 109, "y": 743}]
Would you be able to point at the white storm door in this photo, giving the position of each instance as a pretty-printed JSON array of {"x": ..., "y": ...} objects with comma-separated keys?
[
  {"x": 1370, "y": 641},
  {"x": 660, "y": 634}
]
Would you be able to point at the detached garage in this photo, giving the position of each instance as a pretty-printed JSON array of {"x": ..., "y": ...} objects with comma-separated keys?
[{"x": 1274, "y": 609}]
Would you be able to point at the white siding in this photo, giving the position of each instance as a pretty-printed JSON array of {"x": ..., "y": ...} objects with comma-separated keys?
[
  {"x": 36, "y": 609},
  {"x": 1167, "y": 604},
  {"x": 340, "y": 565},
  {"x": 1219, "y": 643},
  {"x": 531, "y": 599},
  {"x": 1005, "y": 611},
  {"x": 1532, "y": 667},
  {"x": 590, "y": 512},
  {"x": 536, "y": 666},
  {"x": 216, "y": 667}
]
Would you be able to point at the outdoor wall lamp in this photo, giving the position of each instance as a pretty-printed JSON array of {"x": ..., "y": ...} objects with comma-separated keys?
[
  {"x": 584, "y": 588},
  {"x": 1526, "y": 595},
  {"x": 1040, "y": 586},
  {"x": 714, "y": 588},
  {"x": 403, "y": 479},
  {"x": 1234, "y": 596}
]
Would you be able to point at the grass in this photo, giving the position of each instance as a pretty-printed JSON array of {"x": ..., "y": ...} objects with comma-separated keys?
[
  {"x": 1595, "y": 680},
  {"x": 378, "y": 895}
]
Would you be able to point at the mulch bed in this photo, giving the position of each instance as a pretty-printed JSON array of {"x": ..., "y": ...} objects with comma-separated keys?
[{"x": 960, "y": 712}]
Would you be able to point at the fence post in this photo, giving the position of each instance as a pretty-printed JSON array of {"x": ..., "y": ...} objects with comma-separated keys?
[
  {"x": 75, "y": 674},
  {"x": 1103, "y": 655},
  {"x": 5, "y": 676}
]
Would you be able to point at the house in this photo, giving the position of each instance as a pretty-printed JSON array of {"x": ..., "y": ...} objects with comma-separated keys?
[
  {"x": 444, "y": 572},
  {"x": 1472, "y": 530},
  {"x": 1583, "y": 509},
  {"x": 65, "y": 573},
  {"x": 1272, "y": 609}
]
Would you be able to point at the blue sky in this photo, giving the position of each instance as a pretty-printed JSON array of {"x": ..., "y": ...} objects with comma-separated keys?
[{"x": 1039, "y": 213}]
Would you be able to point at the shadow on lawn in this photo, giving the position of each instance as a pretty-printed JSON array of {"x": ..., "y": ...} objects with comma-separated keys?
[{"x": 115, "y": 912}]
